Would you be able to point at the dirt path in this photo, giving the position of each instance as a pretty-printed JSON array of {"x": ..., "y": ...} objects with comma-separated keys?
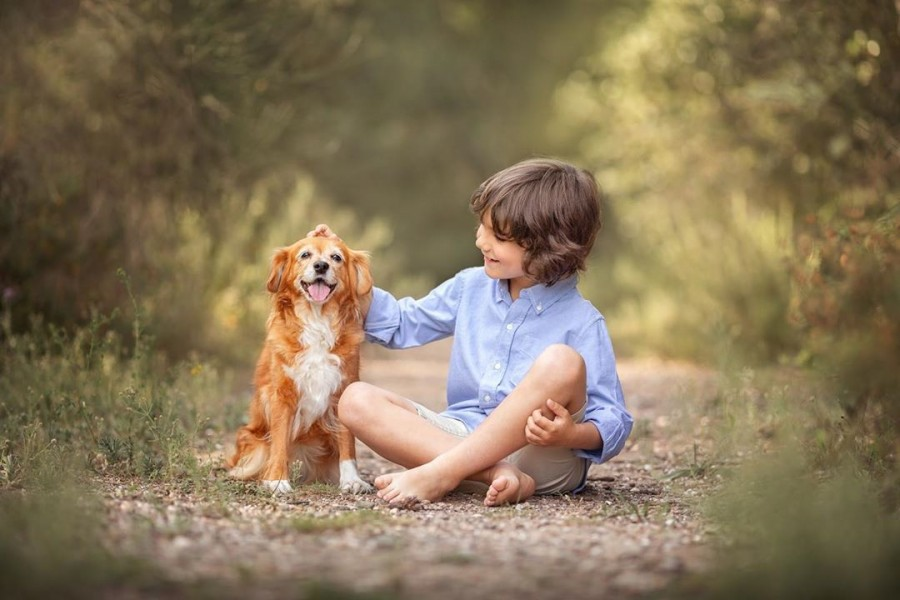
[{"x": 633, "y": 529}]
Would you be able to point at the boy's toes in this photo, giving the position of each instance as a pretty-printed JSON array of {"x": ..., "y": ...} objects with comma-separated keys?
[
  {"x": 409, "y": 503},
  {"x": 382, "y": 481},
  {"x": 498, "y": 492},
  {"x": 391, "y": 495}
]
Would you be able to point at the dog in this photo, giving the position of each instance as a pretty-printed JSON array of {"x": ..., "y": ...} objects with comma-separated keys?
[{"x": 310, "y": 355}]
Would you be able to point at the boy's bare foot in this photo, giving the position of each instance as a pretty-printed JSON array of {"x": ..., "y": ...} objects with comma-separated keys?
[
  {"x": 426, "y": 484},
  {"x": 508, "y": 486},
  {"x": 421, "y": 484}
]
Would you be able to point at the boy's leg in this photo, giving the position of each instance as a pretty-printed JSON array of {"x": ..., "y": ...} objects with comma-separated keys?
[
  {"x": 558, "y": 373},
  {"x": 555, "y": 469},
  {"x": 390, "y": 425}
]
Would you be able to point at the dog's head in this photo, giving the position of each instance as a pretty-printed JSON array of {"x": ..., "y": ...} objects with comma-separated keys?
[{"x": 319, "y": 270}]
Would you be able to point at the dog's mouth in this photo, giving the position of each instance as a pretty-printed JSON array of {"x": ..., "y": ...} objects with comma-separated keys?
[{"x": 318, "y": 290}]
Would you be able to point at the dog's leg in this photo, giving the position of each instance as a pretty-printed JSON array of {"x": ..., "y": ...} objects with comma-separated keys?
[
  {"x": 351, "y": 482},
  {"x": 276, "y": 476}
]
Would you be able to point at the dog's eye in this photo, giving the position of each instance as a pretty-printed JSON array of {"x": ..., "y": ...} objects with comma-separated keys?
[
  {"x": 337, "y": 258},
  {"x": 304, "y": 254}
]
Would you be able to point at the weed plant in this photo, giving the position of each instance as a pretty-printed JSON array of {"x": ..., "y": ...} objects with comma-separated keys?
[
  {"x": 50, "y": 546},
  {"x": 74, "y": 404},
  {"x": 812, "y": 511},
  {"x": 91, "y": 400}
]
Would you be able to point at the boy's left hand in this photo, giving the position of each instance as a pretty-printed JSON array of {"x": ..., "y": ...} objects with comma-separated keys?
[{"x": 556, "y": 431}]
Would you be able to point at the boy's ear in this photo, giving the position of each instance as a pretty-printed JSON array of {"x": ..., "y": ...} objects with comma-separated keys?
[
  {"x": 276, "y": 274},
  {"x": 361, "y": 273}
]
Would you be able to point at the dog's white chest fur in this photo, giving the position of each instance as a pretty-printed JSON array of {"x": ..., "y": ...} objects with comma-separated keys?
[{"x": 316, "y": 372}]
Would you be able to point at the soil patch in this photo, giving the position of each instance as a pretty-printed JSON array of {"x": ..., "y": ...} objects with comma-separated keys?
[{"x": 634, "y": 529}]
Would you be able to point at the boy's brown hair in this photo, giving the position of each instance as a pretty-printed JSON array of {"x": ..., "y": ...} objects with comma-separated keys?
[{"x": 550, "y": 208}]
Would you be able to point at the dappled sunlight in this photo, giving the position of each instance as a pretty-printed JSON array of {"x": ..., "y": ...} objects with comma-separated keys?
[{"x": 154, "y": 155}]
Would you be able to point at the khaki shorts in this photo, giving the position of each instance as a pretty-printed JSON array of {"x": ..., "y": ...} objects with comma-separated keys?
[{"x": 555, "y": 470}]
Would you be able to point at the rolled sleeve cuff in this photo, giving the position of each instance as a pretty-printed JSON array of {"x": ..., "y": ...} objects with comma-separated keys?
[
  {"x": 613, "y": 432},
  {"x": 383, "y": 318}
]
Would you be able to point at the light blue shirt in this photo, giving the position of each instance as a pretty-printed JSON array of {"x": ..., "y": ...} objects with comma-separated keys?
[{"x": 496, "y": 340}]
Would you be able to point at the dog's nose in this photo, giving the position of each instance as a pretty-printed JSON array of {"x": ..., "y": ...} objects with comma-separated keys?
[{"x": 320, "y": 266}]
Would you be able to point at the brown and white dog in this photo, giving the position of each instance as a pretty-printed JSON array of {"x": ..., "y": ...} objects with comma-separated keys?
[{"x": 311, "y": 354}]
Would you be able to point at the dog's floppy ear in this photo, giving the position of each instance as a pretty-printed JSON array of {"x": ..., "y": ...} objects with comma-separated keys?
[
  {"x": 279, "y": 263},
  {"x": 361, "y": 277}
]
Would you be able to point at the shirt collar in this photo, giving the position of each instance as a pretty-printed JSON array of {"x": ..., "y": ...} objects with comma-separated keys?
[{"x": 540, "y": 296}]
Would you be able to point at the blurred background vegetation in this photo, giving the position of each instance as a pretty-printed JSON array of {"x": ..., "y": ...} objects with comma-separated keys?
[{"x": 153, "y": 153}]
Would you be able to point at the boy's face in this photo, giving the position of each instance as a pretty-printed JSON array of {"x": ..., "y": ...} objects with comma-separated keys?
[{"x": 502, "y": 259}]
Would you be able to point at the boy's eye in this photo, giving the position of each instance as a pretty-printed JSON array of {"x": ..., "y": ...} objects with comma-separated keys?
[{"x": 337, "y": 258}]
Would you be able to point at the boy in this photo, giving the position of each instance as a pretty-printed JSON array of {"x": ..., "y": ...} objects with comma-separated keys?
[{"x": 533, "y": 395}]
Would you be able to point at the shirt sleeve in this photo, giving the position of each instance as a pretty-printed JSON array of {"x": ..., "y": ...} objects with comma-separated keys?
[
  {"x": 407, "y": 323},
  {"x": 605, "y": 401}
]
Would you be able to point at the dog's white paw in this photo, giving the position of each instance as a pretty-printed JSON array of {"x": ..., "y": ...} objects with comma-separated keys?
[
  {"x": 278, "y": 486},
  {"x": 351, "y": 482},
  {"x": 356, "y": 486}
]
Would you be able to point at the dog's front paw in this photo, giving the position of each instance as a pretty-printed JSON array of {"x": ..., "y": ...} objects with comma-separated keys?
[
  {"x": 356, "y": 486},
  {"x": 351, "y": 482},
  {"x": 278, "y": 486}
]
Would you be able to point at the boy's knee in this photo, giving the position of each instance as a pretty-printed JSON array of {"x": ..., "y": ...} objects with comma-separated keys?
[
  {"x": 352, "y": 405},
  {"x": 560, "y": 362}
]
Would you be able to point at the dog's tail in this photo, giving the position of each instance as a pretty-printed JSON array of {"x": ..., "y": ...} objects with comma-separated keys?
[{"x": 250, "y": 457}]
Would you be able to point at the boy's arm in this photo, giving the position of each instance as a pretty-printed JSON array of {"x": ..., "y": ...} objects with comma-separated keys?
[
  {"x": 606, "y": 423},
  {"x": 407, "y": 322},
  {"x": 605, "y": 410}
]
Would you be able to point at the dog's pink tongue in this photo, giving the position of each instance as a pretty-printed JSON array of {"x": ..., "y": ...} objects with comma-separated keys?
[{"x": 319, "y": 291}]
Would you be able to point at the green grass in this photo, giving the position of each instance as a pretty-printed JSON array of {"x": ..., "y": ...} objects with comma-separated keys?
[
  {"x": 75, "y": 406},
  {"x": 346, "y": 520},
  {"x": 51, "y": 546},
  {"x": 75, "y": 402},
  {"x": 82, "y": 403},
  {"x": 810, "y": 511},
  {"x": 795, "y": 534},
  {"x": 697, "y": 469}
]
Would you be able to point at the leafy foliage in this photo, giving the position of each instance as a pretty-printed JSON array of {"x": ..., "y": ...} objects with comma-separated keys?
[
  {"x": 75, "y": 402},
  {"x": 182, "y": 141},
  {"x": 795, "y": 535},
  {"x": 753, "y": 155},
  {"x": 37, "y": 539}
]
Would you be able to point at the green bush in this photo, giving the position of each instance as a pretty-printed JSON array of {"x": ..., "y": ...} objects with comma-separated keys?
[
  {"x": 51, "y": 546},
  {"x": 805, "y": 506},
  {"x": 793, "y": 532},
  {"x": 81, "y": 401},
  {"x": 750, "y": 150}
]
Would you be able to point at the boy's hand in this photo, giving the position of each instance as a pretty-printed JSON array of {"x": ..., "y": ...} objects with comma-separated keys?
[
  {"x": 556, "y": 431},
  {"x": 323, "y": 230}
]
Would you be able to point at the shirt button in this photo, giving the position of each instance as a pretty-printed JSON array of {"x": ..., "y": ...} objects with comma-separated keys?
[
  {"x": 497, "y": 366},
  {"x": 540, "y": 308},
  {"x": 509, "y": 326},
  {"x": 487, "y": 397}
]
